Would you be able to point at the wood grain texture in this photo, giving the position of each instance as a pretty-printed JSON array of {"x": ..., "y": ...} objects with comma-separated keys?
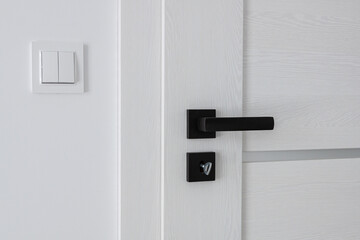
[
  {"x": 302, "y": 200},
  {"x": 140, "y": 119},
  {"x": 302, "y": 66},
  {"x": 203, "y": 69}
]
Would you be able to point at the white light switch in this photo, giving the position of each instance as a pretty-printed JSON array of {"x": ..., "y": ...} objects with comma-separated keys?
[
  {"x": 57, "y": 67},
  {"x": 66, "y": 67},
  {"x": 49, "y": 67}
]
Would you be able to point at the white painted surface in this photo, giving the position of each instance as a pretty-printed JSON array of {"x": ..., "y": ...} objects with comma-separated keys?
[
  {"x": 302, "y": 200},
  {"x": 202, "y": 69},
  {"x": 140, "y": 120},
  {"x": 302, "y": 65},
  {"x": 58, "y": 181},
  {"x": 66, "y": 67}
]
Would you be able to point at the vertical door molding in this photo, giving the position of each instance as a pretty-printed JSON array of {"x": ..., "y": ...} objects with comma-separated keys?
[{"x": 140, "y": 101}]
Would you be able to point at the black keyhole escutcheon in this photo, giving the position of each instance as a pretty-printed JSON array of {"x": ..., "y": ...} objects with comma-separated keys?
[{"x": 200, "y": 166}]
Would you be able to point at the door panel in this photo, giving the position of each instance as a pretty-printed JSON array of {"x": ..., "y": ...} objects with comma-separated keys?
[
  {"x": 202, "y": 70},
  {"x": 302, "y": 200},
  {"x": 302, "y": 65}
]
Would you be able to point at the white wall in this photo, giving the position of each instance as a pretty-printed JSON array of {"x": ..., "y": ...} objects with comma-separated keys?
[{"x": 58, "y": 152}]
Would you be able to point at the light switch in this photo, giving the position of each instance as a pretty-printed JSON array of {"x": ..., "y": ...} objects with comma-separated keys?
[
  {"x": 66, "y": 67},
  {"x": 57, "y": 67},
  {"x": 49, "y": 67}
]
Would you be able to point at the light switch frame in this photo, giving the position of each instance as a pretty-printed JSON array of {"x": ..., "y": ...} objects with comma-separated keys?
[{"x": 39, "y": 87}]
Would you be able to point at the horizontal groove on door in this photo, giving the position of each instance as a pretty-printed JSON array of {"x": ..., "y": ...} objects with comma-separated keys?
[{"x": 296, "y": 155}]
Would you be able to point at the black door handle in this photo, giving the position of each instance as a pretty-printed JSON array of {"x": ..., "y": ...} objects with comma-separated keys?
[
  {"x": 205, "y": 124},
  {"x": 213, "y": 124}
]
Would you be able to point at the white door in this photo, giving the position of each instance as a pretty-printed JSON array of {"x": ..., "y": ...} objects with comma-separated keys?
[
  {"x": 296, "y": 61},
  {"x": 302, "y": 66}
]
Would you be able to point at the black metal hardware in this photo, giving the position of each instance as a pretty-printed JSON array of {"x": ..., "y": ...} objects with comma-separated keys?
[
  {"x": 205, "y": 124},
  {"x": 200, "y": 166}
]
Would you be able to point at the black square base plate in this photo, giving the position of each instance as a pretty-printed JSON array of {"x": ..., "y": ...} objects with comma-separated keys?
[
  {"x": 193, "y": 117},
  {"x": 194, "y": 172}
]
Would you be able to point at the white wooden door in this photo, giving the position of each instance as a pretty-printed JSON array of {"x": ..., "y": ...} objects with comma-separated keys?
[
  {"x": 302, "y": 65},
  {"x": 295, "y": 60}
]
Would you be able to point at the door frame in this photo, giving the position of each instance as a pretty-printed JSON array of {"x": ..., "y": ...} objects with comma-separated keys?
[{"x": 140, "y": 190}]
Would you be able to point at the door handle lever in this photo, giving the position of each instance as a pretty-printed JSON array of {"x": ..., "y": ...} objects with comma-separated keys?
[
  {"x": 205, "y": 124},
  {"x": 214, "y": 124}
]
